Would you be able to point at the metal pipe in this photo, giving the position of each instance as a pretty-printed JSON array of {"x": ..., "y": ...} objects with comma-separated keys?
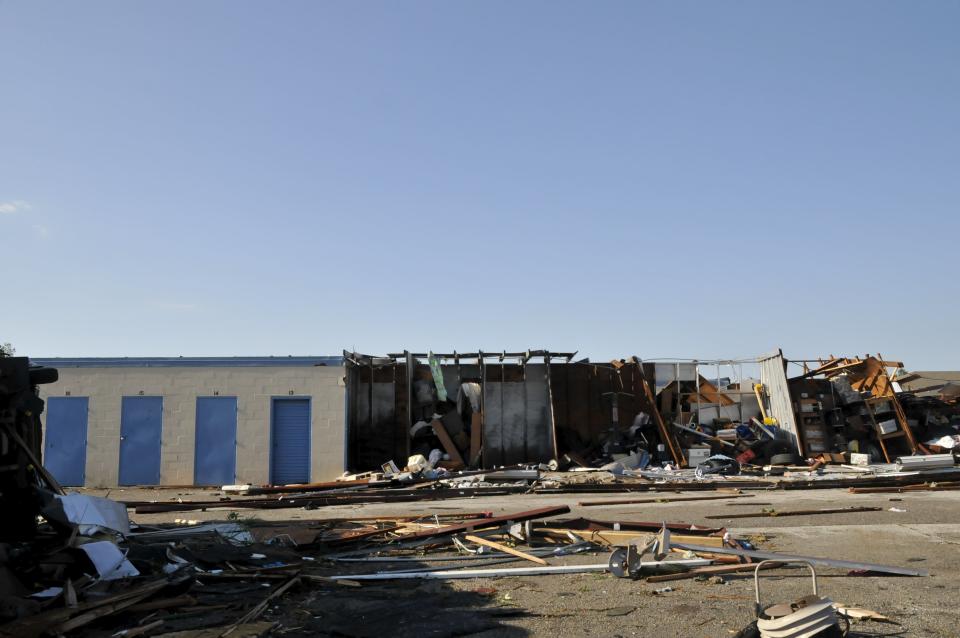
[
  {"x": 510, "y": 571},
  {"x": 933, "y": 461},
  {"x": 479, "y": 573},
  {"x": 828, "y": 562}
]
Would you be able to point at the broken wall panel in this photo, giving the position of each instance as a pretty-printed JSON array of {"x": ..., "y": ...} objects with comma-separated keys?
[
  {"x": 582, "y": 401},
  {"x": 376, "y": 415},
  {"x": 773, "y": 376},
  {"x": 667, "y": 373},
  {"x": 516, "y": 420}
]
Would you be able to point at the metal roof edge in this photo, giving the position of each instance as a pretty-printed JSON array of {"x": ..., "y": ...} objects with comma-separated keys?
[{"x": 188, "y": 362}]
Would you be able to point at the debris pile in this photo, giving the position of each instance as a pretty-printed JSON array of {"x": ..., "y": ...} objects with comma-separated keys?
[{"x": 213, "y": 579}]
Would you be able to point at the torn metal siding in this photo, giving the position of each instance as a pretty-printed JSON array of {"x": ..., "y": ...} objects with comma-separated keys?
[{"x": 773, "y": 376}]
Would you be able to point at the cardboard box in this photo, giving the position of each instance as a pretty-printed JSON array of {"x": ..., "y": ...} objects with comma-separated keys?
[
  {"x": 859, "y": 459},
  {"x": 697, "y": 455},
  {"x": 888, "y": 426}
]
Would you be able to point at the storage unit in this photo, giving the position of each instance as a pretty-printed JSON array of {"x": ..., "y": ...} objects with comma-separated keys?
[
  {"x": 290, "y": 441},
  {"x": 65, "y": 444},
  {"x": 215, "y": 462},
  {"x": 191, "y": 421},
  {"x": 141, "y": 427}
]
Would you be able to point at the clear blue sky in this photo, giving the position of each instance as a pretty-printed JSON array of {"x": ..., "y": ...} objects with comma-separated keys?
[{"x": 654, "y": 178}]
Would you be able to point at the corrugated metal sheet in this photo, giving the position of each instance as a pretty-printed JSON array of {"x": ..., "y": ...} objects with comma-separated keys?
[
  {"x": 290, "y": 441},
  {"x": 773, "y": 376}
]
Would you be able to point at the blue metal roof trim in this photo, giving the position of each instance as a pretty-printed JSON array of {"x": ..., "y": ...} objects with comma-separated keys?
[{"x": 187, "y": 362}]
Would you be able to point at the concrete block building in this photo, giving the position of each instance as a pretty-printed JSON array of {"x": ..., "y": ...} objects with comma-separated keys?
[{"x": 194, "y": 421}]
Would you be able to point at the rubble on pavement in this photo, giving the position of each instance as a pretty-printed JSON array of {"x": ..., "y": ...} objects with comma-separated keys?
[{"x": 75, "y": 564}]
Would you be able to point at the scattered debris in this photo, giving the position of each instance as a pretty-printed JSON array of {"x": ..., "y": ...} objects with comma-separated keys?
[
  {"x": 773, "y": 513},
  {"x": 76, "y": 563},
  {"x": 858, "y": 613}
]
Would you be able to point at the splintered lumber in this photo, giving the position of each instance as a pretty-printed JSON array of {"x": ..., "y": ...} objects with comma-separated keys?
[
  {"x": 446, "y": 441},
  {"x": 774, "y": 513},
  {"x": 466, "y": 526},
  {"x": 711, "y": 570},
  {"x": 662, "y": 499},
  {"x": 261, "y": 607},
  {"x": 164, "y": 603},
  {"x": 59, "y": 621},
  {"x": 109, "y": 606},
  {"x": 504, "y": 548}
]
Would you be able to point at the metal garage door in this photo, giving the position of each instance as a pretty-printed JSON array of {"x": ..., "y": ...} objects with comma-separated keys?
[
  {"x": 290, "y": 441},
  {"x": 141, "y": 421},
  {"x": 65, "y": 444},
  {"x": 215, "y": 452}
]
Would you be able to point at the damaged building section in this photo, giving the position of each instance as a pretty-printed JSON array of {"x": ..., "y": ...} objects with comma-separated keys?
[
  {"x": 484, "y": 410},
  {"x": 477, "y": 410}
]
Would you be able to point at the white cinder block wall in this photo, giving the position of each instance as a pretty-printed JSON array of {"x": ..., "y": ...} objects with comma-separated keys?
[{"x": 254, "y": 388}]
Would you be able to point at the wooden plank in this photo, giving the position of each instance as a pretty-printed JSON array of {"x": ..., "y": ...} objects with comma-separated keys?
[
  {"x": 112, "y": 606},
  {"x": 710, "y": 570},
  {"x": 544, "y": 512},
  {"x": 505, "y": 549},
  {"x": 446, "y": 441},
  {"x": 712, "y": 394},
  {"x": 773, "y": 514},
  {"x": 920, "y": 487},
  {"x": 662, "y": 499}
]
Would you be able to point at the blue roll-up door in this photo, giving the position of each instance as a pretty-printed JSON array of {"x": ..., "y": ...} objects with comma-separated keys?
[
  {"x": 65, "y": 444},
  {"x": 215, "y": 452},
  {"x": 290, "y": 441},
  {"x": 141, "y": 422}
]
